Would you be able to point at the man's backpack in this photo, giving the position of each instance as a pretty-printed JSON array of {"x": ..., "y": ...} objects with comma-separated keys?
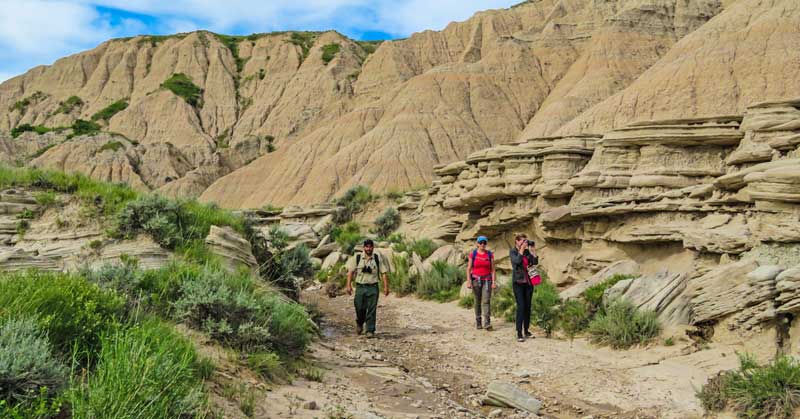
[{"x": 375, "y": 257}]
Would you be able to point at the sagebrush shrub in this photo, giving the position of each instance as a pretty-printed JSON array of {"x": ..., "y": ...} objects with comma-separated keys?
[
  {"x": 545, "y": 306},
  {"x": 236, "y": 311},
  {"x": 441, "y": 283},
  {"x": 623, "y": 325},
  {"x": 388, "y": 222},
  {"x": 27, "y": 363},
  {"x": 352, "y": 202},
  {"x": 347, "y": 236},
  {"x": 573, "y": 317}
]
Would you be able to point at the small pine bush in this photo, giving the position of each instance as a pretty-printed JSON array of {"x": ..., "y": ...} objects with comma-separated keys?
[
  {"x": 623, "y": 326},
  {"x": 387, "y": 223},
  {"x": 442, "y": 283}
]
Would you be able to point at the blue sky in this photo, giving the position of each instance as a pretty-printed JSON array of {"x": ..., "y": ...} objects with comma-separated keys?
[{"x": 35, "y": 32}]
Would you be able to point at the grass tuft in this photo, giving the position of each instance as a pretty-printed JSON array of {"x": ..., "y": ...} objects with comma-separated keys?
[
  {"x": 181, "y": 85},
  {"x": 109, "y": 111},
  {"x": 622, "y": 326}
]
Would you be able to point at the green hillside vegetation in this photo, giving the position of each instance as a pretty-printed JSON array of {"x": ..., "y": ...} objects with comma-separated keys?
[{"x": 84, "y": 344}]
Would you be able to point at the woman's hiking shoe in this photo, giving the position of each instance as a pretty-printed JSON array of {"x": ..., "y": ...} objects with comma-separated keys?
[
  {"x": 489, "y": 328},
  {"x": 370, "y": 335},
  {"x": 359, "y": 329},
  {"x": 478, "y": 324},
  {"x": 529, "y": 334},
  {"x": 520, "y": 339}
]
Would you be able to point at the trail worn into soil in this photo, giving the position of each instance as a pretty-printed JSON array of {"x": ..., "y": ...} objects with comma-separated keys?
[{"x": 429, "y": 361}]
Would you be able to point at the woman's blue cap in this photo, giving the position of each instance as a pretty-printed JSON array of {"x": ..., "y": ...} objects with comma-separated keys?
[{"x": 482, "y": 238}]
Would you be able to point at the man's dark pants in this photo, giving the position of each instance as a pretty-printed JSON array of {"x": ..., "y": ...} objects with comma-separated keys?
[{"x": 366, "y": 302}]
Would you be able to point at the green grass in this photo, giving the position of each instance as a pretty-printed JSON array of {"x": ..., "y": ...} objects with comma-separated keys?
[
  {"x": 400, "y": 280},
  {"x": 109, "y": 111},
  {"x": 111, "y": 146},
  {"x": 22, "y": 105},
  {"x": 46, "y": 199},
  {"x": 503, "y": 303},
  {"x": 622, "y": 326},
  {"x": 467, "y": 302},
  {"x": 267, "y": 364},
  {"x": 82, "y": 127},
  {"x": 329, "y": 51},
  {"x": 369, "y": 47},
  {"x": 39, "y": 129},
  {"x": 756, "y": 390},
  {"x": 71, "y": 311},
  {"x": 594, "y": 294},
  {"x": 69, "y": 105},
  {"x": 107, "y": 196},
  {"x": 573, "y": 318},
  {"x": 304, "y": 40},
  {"x": 442, "y": 283},
  {"x": 423, "y": 247},
  {"x": 347, "y": 236},
  {"x": 147, "y": 371},
  {"x": 182, "y": 86}
]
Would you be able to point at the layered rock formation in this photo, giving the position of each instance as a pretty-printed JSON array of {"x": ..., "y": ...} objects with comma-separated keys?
[
  {"x": 704, "y": 211},
  {"x": 542, "y": 68}
]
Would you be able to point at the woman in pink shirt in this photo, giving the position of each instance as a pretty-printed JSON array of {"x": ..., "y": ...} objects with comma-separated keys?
[{"x": 481, "y": 279}]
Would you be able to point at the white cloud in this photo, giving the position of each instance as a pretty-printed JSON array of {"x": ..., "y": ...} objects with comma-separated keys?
[{"x": 34, "y": 32}]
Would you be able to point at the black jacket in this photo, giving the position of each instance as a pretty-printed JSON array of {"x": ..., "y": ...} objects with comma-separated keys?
[{"x": 518, "y": 273}]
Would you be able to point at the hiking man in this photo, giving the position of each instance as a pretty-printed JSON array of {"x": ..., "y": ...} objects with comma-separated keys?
[{"x": 366, "y": 267}]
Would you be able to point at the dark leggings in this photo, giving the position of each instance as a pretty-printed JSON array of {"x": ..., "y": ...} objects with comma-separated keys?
[{"x": 523, "y": 294}]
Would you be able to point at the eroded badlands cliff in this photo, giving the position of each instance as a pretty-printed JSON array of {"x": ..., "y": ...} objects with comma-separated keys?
[{"x": 337, "y": 115}]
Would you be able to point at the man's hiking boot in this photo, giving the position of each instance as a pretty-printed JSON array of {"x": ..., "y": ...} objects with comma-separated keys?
[
  {"x": 478, "y": 324},
  {"x": 359, "y": 329},
  {"x": 370, "y": 335}
]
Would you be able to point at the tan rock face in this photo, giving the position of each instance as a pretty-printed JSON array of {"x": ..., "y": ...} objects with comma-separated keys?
[
  {"x": 384, "y": 120},
  {"x": 706, "y": 234}
]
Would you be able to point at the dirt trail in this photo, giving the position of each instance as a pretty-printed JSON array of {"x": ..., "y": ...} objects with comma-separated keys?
[{"x": 429, "y": 361}]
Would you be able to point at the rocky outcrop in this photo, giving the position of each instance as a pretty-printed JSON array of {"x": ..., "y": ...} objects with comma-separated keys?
[
  {"x": 433, "y": 98},
  {"x": 707, "y": 234},
  {"x": 233, "y": 249}
]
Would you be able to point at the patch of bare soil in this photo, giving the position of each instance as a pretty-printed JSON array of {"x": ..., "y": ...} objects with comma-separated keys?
[{"x": 428, "y": 361}]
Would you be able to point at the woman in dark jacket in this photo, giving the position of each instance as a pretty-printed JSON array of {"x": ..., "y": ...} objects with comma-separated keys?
[{"x": 523, "y": 256}]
